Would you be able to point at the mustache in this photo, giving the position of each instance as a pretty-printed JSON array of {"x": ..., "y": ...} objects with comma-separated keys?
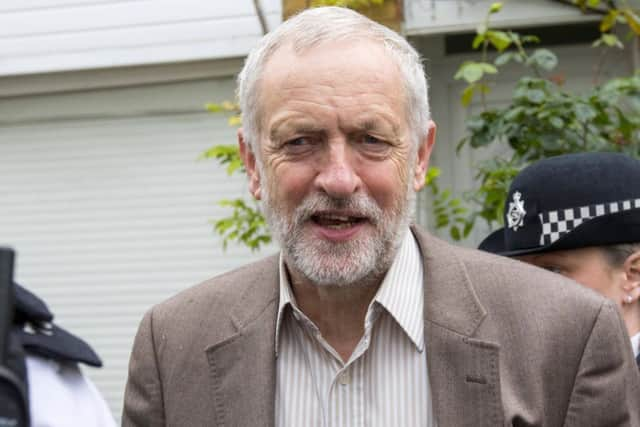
[{"x": 359, "y": 205}]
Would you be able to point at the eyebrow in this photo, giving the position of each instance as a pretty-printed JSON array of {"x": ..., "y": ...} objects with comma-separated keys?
[
  {"x": 369, "y": 124},
  {"x": 295, "y": 126}
]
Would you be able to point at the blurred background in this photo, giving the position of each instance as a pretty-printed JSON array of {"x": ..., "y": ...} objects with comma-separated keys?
[{"x": 103, "y": 120}]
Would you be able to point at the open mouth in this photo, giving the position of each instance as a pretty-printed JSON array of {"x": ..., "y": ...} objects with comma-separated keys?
[{"x": 337, "y": 221}]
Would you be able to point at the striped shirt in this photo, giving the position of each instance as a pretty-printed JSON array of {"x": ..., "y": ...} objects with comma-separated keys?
[{"x": 384, "y": 382}]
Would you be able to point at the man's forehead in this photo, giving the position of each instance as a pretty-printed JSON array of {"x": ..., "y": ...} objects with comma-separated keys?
[{"x": 327, "y": 53}]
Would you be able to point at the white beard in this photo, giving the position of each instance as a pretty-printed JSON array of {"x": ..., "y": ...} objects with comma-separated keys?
[{"x": 358, "y": 261}]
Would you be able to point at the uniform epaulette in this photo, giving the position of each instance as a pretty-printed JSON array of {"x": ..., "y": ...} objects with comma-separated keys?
[{"x": 40, "y": 336}]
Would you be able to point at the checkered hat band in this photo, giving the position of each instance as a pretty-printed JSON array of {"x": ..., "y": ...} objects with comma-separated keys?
[{"x": 556, "y": 224}]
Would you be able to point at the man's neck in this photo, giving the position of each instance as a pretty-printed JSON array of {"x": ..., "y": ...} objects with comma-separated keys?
[{"x": 338, "y": 311}]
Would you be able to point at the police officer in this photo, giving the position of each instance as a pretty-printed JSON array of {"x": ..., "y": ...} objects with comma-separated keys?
[
  {"x": 59, "y": 394},
  {"x": 41, "y": 384},
  {"x": 579, "y": 215}
]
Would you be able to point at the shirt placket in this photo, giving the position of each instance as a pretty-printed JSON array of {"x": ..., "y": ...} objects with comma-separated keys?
[{"x": 342, "y": 398}]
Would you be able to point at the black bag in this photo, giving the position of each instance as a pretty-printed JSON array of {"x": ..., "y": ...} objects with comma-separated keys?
[{"x": 14, "y": 405}]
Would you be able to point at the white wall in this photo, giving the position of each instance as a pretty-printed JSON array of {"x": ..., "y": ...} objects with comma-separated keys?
[
  {"x": 58, "y": 35},
  {"x": 108, "y": 208},
  {"x": 446, "y": 16}
]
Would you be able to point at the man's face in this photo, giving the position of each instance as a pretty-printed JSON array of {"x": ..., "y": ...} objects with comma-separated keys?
[
  {"x": 587, "y": 266},
  {"x": 335, "y": 148}
]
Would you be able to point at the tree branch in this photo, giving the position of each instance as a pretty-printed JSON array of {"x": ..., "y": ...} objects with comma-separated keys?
[
  {"x": 261, "y": 18},
  {"x": 588, "y": 9}
]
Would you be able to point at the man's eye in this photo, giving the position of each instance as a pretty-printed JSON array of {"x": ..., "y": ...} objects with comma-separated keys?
[
  {"x": 296, "y": 142},
  {"x": 370, "y": 139},
  {"x": 299, "y": 145}
]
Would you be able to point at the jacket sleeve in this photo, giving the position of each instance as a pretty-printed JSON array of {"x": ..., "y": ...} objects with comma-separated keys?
[
  {"x": 143, "y": 402},
  {"x": 606, "y": 390}
]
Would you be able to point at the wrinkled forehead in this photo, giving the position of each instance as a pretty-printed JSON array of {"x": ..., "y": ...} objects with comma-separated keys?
[
  {"x": 349, "y": 62},
  {"x": 350, "y": 56}
]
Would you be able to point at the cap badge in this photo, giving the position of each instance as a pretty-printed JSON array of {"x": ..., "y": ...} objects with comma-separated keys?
[{"x": 516, "y": 212}]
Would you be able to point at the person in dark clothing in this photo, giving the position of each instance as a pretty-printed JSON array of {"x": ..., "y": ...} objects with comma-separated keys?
[{"x": 47, "y": 356}]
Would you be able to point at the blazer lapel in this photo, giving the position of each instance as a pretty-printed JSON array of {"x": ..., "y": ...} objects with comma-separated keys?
[
  {"x": 463, "y": 371},
  {"x": 242, "y": 365}
]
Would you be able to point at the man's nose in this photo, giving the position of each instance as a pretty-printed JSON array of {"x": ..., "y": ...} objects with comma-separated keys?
[{"x": 337, "y": 176}]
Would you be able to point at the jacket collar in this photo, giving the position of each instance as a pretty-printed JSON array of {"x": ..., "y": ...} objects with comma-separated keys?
[
  {"x": 450, "y": 299},
  {"x": 463, "y": 370},
  {"x": 242, "y": 362}
]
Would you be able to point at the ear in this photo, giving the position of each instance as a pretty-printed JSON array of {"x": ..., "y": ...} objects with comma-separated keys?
[
  {"x": 631, "y": 272},
  {"x": 632, "y": 268},
  {"x": 422, "y": 159},
  {"x": 249, "y": 159}
]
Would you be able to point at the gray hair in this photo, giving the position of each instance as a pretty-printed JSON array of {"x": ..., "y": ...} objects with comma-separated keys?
[
  {"x": 314, "y": 26},
  {"x": 616, "y": 255}
]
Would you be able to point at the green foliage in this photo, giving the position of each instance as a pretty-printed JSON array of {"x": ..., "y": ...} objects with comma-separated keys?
[
  {"x": 608, "y": 40},
  {"x": 448, "y": 211},
  {"x": 246, "y": 225},
  {"x": 475, "y": 73},
  {"x": 232, "y": 109},
  {"x": 543, "y": 119},
  {"x": 613, "y": 14},
  {"x": 225, "y": 155}
]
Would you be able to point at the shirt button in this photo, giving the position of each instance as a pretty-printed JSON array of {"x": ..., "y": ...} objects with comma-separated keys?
[{"x": 344, "y": 378}]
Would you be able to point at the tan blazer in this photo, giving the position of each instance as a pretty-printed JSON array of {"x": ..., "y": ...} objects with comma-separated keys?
[{"x": 507, "y": 345}]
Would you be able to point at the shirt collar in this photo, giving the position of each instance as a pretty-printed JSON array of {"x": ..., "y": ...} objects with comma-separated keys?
[
  {"x": 401, "y": 292},
  {"x": 286, "y": 298}
]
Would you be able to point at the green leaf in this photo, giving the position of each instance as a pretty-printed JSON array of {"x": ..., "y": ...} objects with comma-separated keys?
[
  {"x": 556, "y": 122},
  {"x": 535, "y": 96},
  {"x": 477, "y": 41},
  {"x": 467, "y": 228},
  {"x": 234, "y": 165},
  {"x": 513, "y": 113},
  {"x": 471, "y": 72},
  {"x": 488, "y": 68},
  {"x": 475, "y": 123},
  {"x": 544, "y": 59},
  {"x": 432, "y": 174},
  {"x": 610, "y": 40},
  {"x": 467, "y": 95},
  {"x": 222, "y": 151},
  {"x": 530, "y": 39},
  {"x": 584, "y": 112},
  {"x": 609, "y": 20},
  {"x": 499, "y": 39},
  {"x": 235, "y": 121},
  {"x": 455, "y": 232},
  {"x": 632, "y": 20},
  {"x": 503, "y": 59},
  {"x": 213, "y": 108},
  {"x": 495, "y": 7},
  {"x": 246, "y": 225},
  {"x": 442, "y": 221}
]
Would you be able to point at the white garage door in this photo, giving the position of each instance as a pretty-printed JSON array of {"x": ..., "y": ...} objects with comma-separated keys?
[{"x": 103, "y": 198}]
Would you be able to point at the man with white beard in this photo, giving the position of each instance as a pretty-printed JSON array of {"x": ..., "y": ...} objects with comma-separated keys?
[{"x": 363, "y": 319}]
